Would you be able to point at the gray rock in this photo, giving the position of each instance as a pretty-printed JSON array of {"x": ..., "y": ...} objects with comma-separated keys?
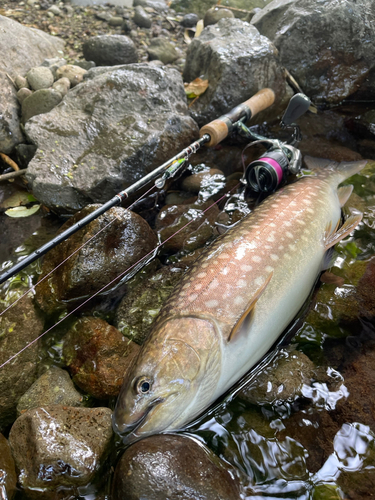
[
  {"x": 162, "y": 50},
  {"x": 189, "y": 20},
  {"x": 62, "y": 85},
  {"x": 214, "y": 15},
  {"x": 141, "y": 18},
  {"x": 55, "y": 10},
  {"x": 20, "y": 325},
  {"x": 115, "y": 21},
  {"x": 185, "y": 470},
  {"x": 40, "y": 78},
  {"x": 41, "y": 101},
  {"x": 237, "y": 61},
  {"x": 110, "y": 50},
  {"x": 118, "y": 125},
  {"x": 54, "y": 64},
  {"x": 22, "y": 94},
  {"x": 103, "y": 16},
  {"x": 8, "y": 476},
  {"x": 161, "y": 6},
  {"x": 21, "y": 82},
  {"x": 126, "y": 240},
  {"x": 59, "y": 446},
  {"x": 85, "y": 64},
  {"x": 24, "y": 154},
  {"x": 54, "y": 387},
  {"x": 328, "y": 47},
  {"x": 73, "y": 73},
  {"x": 18, "y": 54}
]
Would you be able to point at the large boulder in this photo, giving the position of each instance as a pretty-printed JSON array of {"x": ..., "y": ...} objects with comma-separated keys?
[
  {"x": 237, "y": 62},
  {"x": 327, "y": 46},
  {"x": 111, "y": 130},
  {"x": 18, "y": 54}
]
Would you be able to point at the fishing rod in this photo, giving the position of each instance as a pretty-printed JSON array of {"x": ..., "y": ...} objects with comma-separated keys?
[{"x": 210, "y": 135}]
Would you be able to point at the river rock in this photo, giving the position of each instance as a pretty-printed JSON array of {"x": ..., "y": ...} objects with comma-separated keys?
[
  {"x": 118, "y": 125},
  {"x": 40, "y": 78},
  {"x": 214, "y": 15},
  {"x": 153, "y": 4},
  {"x": 110, "y": 50},
  {"x": 162, "y": 50},
  {"x": 39, "y": 102},
  {"x": 98, "y": 356},
  {"x": 54, "y": 387},
  {"x": 189, "y": 20},
  {"x": 237, "y": 61},
  {"x": 73, "y": 73},
  {"x": 185, "y": 470},
  {"x": 115, "y": 21},
  {"x": 59, "y": 447},
  {"x": 141, "y": 18},
  {"x": 54, "y": 63},
  {"x": 20, "y": 325},
  {"x": 328, "y": 47},
  {"x": 365, "y": 290},
  {"x": 194, "y": 183},
  {"x": 62, "y": 85},
  {"x": 18, "y": 54},
  {"x": 143, "y": 301},
  {"x": 21, "y": 82},
  {"x": 8, "y": 476},
  {"x": 117, "y": 247},
  {"x": 22, "y": 94}
]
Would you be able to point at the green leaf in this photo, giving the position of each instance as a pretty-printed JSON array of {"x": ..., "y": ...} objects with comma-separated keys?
[{"x": 22, "y": 211}]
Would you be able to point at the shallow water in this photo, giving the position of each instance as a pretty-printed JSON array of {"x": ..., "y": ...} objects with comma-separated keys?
[{"x": 319, "y": 445}]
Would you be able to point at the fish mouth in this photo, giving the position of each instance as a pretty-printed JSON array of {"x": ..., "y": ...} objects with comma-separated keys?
[{"x": 128, "y": 433}]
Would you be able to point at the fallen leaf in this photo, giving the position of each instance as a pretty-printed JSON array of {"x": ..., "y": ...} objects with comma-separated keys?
[
  {"x": 187, "y": 37},
  {"x": 195, "y": 88},
  {"x": 22, "y": 211},
  {"x": 17, "y": 199},
  {"x": 199, "y": 28}
]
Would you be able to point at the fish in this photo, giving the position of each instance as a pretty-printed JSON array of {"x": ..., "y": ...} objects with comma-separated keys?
[{"x": 234, "y": 303}]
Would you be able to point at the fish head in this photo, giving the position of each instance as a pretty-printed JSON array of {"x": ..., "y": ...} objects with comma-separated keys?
[{"x": 163, "y": 380}]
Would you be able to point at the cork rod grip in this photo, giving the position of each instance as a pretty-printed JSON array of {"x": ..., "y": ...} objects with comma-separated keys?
[{"x": 218, "y": 129}]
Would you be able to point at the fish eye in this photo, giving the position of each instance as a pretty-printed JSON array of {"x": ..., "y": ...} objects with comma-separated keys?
[{"x": 143, "y": 385}]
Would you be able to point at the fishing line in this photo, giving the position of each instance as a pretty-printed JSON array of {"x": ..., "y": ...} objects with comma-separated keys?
[
  {"x": 73, "y": 253},
  {"x": 115, "y": 279}
]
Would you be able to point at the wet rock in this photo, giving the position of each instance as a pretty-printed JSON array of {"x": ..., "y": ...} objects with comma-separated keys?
[
  {"x": 120, "y": 245},
  {"x": 332, "y": 60},
  {"x": 118, "y": 125},
  {"x": 141, "y": 18},
  {"x": 214, "y": 15},
  {"x": 366, "y": 290},
  {"x": 185, "y": 470},
  {"x": 174, "y": 218},
  {"x": 110, "y": 50},
  {"x": 59, "y": 447},
  {"x": 10, "y": 131},
  {"x": 237, "y": 61},
  {"x": 39, "y": 102},
  {"x": 62, "y": 85},
  {"x": 162, "y": 50},
  {"x": 189, "y": 20},
  {"x": 97, "y": 356},
  {"x": 282, "y": 380},
  {"x": 8, "y": 476},
  {"x": 85, "y": 64},
  {"x": 20, "y": 325},
  {"x": 73, "y": 73},
  {"x": 54, "y": 64},
  {"x": 194, "y": 183},
  {"x": 54, "y": 387},
  {"x": 21, "y": 82},
  {"x": 40, "y": 78},
  {"x": 324, "y": 148},
  {"x": 143, "y": 301},
  {"x": 22, "y": 94},
  {"x": 24, "y": 154}
]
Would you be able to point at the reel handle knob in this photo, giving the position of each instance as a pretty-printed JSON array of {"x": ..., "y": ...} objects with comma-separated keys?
[{"x": 220, "y": 128}]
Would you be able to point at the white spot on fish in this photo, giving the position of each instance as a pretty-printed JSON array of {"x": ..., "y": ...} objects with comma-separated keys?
[
  {"x": 293, "y": 247},
  {"x": 274, "y": 256},
  {"x": 202, "y": 275},
  {"x": 286, "y": 256},
  {"x": 268, "y": 247},
  {"x": 241, "y": 283},
  {"x": 259, "y": 281},
  {"x": 192, "y": 297},
  {"x": 310, "y": 210},
  {"x": 289, "y": 235},
  {"x": 271, "y": 238},
  {"x": 223, "y": 256},
  {"x": 272, "y": 224},
  {"x": 204, "y": 265},
  {"x": 287, "y": 223},
  {"x": 301, "y": 222},
  {"x": 281, "y": 247},
  {"x": 256, "y": 258},
  {"x": 214, "y": 284},
  {"x": 238, "y": 301},
  {"x": 198, "y": 286},
  {"x": 212, "y": 303},
  {"x": 269, "y": 269},
  {"x": 246, "y": 268}
]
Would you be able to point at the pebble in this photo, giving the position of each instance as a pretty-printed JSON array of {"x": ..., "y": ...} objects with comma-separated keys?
[
  {"x": 40, "y": 77},
  {"x": 194, "y": 183},
  {"x": 214, "y": 15},
  {"x": 54, "y": 64},
  {"x": 103, "y": 16},
  {"x": 21, "y": 82},
  {"x": 62, "y": 85},
  {"x": 55, "y": 10},
  {"x": 115, "y": 21},
  {"x": 22, "y": 94},
  {"x": 141, "y": 18},
  {"x": 110, "y": 50},
  {"x": 189, "y": 20},
  {"x": 163, "y": 50},
  {"x": 73, "y": 73},
  {"x": 41, "y": 101}
]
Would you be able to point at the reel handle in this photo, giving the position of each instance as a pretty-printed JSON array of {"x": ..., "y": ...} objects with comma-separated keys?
[{"x": 220, "y": 128}]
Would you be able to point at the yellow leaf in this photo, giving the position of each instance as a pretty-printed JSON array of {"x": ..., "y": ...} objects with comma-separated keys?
[
  {"x": 199, "y": 28},
  {"x": 195, "y": 88}
]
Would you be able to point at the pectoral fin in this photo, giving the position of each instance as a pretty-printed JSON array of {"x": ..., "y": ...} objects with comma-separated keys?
[
  {"x": 348, "y": 226},
  {"x": 344, "y": 193},
  {"x": 246, "y": 315}
]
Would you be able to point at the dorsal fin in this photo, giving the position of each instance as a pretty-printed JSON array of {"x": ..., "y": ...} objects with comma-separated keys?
[
  {"x": 344, "y": 193},
  {"x": 249, "y": 308},
  {"x": 348, "y": 226}
]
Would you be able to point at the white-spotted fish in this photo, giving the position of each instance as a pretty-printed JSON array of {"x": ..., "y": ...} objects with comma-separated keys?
[{"x": 234, "y": 303}]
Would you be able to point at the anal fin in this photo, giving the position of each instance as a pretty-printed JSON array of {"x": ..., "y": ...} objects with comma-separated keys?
[
  {"x": 245, "y": 316},
  {"x": 348, "y": 226}
]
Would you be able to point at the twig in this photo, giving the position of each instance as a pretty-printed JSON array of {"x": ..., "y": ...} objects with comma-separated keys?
[
  {"x": 9, "y": 161},
  {"x": 12, "y": 175}
]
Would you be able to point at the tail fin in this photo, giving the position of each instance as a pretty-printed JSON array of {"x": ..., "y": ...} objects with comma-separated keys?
[{"x": 345, "y": 169}]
